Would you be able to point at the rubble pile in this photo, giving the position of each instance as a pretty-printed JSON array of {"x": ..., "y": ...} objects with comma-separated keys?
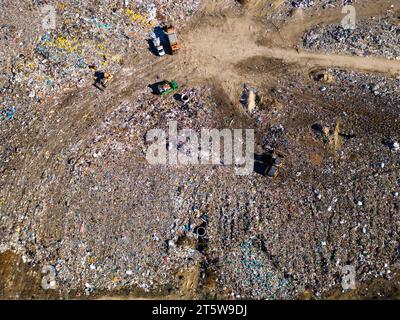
[
  {"x": 310, "y": 3},
  {"x": 125, "y": 224},
  {"x": 265, "y": 238},
  {"x": 371, "y": 37},
  {"x": 289, "y": 7}
]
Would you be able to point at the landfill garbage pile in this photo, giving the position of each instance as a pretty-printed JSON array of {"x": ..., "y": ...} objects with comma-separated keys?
[
  {"x": 370, "y": 187},
  {"x": 258, "y": 238},
  {"x": 40, "y": 61},
  {"x": 321, "y": 3},
  {"x": 78, "y": 193},
  {"x": 379, "y": 86},
  {"x": 148, "y": 253},
  {"x": 371, "y": 37},
  {"x": 289, "y": 7}
]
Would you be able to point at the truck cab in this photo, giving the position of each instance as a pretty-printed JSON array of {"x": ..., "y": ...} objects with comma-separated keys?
[{"x": 157, "y": 44}]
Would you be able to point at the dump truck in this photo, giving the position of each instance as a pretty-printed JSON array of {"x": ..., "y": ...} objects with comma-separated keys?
[
  {"x": 172, "y": 38},
  {"x": 166, "y": 87}
]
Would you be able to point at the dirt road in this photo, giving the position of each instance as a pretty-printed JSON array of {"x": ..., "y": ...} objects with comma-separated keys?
[{"x": 220, "y": 41}]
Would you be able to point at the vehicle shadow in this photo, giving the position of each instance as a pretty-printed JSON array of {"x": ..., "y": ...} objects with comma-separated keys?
[
  {"x": 151, "y": 47},
  {"x": 154, "y": 87},
  {"x": 261, "y": 163}
]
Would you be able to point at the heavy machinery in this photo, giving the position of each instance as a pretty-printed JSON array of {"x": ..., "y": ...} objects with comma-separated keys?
[
  {"x": 102, "y": 79},
  {"x": 107, "y": 79},
  {"x": 166, "y": 87},
  {"x": 276, "y": 162},
  {"x": 172, "y": 38}
]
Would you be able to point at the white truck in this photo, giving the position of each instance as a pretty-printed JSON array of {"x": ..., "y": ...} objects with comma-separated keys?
[{"x": 157, "y": 44}]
